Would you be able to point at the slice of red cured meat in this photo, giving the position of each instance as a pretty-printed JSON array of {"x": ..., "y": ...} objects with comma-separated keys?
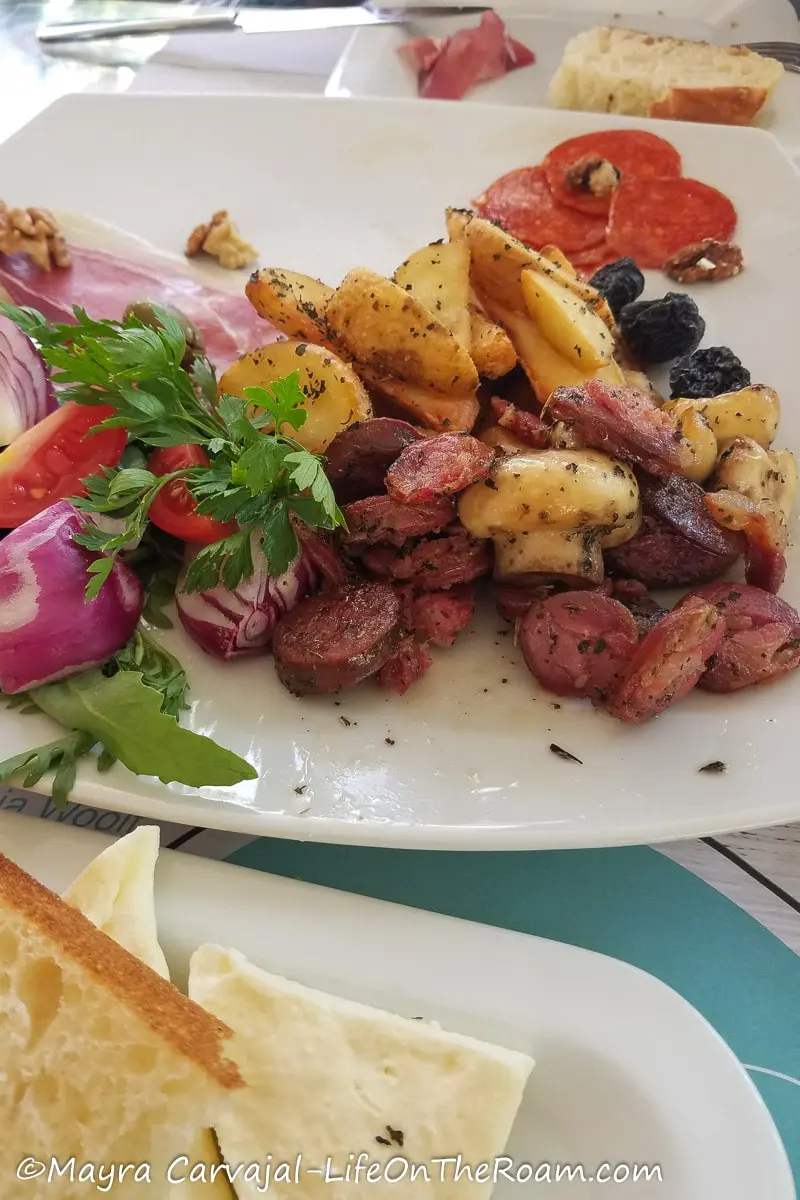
[
  {"x": 762, "y": 636},
  {"x": 105, "y": 285},
  {"x": 438, "y": 466},
  {"x": 382, "y": 519},
  {"x": 447, "y": 68},
  {"x": 633, "y": 152},
  {"x": 621, "y": 421},
  {"x": 358, "y": 458},
  {"x": 439, "y": 617},
  {"x": 409, "y": 663},
  {"x": 577, "y": 643},
  {"x": 668, "y": 663},
  {"x": 337, "y": 638},
  {"x": 652, "y": 219},
  {"x": 527, "y": 426},
  {"x": 523, "y": 204},
  {"x": 434, "y": 564}
]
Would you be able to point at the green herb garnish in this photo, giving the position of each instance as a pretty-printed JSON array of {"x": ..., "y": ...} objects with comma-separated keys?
[{"x": 258, "y": 476}]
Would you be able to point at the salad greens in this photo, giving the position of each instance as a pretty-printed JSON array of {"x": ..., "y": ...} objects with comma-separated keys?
[
  {"x": 257, "y": 476},
  {"x": 129, "y": 709}
]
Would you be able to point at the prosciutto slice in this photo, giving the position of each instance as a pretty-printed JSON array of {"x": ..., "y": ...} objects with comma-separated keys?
[
  {"x": 105, "y": 280},
  {"x": 447, "y": 68}
]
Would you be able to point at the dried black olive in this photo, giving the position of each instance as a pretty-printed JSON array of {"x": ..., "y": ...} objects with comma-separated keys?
[
  {"x": 621, "y": 282},
  {"x": 708, "y": 372},
  {"x": 657, "y": 330}
]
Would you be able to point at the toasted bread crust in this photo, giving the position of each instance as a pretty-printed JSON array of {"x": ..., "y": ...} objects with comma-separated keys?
[
  {"x": 182, "y": 1024},
  {"x": 717, "y": 106}
]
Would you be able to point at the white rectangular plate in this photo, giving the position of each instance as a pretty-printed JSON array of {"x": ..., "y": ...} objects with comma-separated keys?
[
  {"x": 627, "y": 1071},
  {"x": 461, "y": 761},
  {"x": 370, "y": 66}
]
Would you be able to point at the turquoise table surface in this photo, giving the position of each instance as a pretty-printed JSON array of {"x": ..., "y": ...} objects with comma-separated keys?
[{"x": 632, "y": 904}]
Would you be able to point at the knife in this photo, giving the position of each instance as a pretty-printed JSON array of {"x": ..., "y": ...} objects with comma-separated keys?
[{"x": 273, "y": 20}]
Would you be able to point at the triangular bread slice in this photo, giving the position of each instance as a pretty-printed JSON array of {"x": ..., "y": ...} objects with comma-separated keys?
[
  {"x": 328, "y": 1078},
  {"x": 101, "y": 1060},
  {"x": 115, "y": 891}
]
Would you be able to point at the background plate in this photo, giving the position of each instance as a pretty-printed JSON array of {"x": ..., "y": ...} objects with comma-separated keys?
[
  {"x": 626, "y": 1070},
  {"x": 369, "y": 65},
  {"x": 462, "y": 760}
]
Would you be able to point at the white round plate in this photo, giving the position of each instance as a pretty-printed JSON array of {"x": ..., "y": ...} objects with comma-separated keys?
[{"x": 463, "y": 760}]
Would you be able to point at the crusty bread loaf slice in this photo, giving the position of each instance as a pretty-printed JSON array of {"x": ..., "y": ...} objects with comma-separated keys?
[
  {"x": 101, "y": 1060},
  {"x": 329, "y": 1078},
  {"x": 623, "y": 71},
  {"x": 116, "y": 891}
]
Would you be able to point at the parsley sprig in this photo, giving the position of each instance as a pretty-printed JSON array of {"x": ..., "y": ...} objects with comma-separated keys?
[{"x": 259, "y": 475}]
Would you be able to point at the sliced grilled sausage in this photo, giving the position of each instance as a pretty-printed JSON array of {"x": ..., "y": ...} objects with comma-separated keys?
[
  {"x": 382, "y": 519},
  {"x": 577, "y": 643},
  {"x": 645, "y": 611},
  {"x": 358, "y": 458},
  {"x": 409, "y": 663},
  {"x": 762, "y": 636},
  {"x": 659, "y": 556},
  {"x": 438, "y": 466},
  {"x": 433, "y": 564},
  {"x": 439, "y": 617},
  {"x": 668, "y": 663},
  {"x": 337, "y": 638}
]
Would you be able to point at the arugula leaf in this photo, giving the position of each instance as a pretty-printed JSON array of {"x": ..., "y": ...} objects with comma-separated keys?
[
  {"x": 60, "y": 756},
  {"x": 125, "y": 714},
  {"x": 128, "y": 709}
]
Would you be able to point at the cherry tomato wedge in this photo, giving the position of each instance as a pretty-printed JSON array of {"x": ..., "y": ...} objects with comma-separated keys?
[
  {"x": 48, "y": 462},
  {"x": 174, "y": 509}
]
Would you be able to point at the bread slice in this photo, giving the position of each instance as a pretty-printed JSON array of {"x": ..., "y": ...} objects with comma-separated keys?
[
  {"x": 329, "y": 1078},
  {"x": 622, "y": 71},
  {"x": 115, "y": 891},
  {"x": 101, "y": 1060}
]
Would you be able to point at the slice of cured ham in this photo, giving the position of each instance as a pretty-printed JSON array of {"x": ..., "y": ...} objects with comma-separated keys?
[
  {"x": 110, "y": 269},
  {"x": 447, "y": 68}
]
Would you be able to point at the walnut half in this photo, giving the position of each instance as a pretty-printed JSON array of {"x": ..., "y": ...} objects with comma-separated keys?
[
  {"x": 592, "y": 174},
  {"x": 708, "y": 260},
  {"x": 220, "y": 238},
  {"x": 34, "y": 232}
]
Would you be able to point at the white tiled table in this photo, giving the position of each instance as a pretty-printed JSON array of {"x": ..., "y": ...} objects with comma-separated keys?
[{"x": 758, "y": 870}]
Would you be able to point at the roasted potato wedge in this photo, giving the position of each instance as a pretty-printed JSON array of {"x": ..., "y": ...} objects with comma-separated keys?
[
  {"x": 456, "y": 222},
  {"x": 559, "y": 259},
  {"x": 386, "y": 329},
  {"x": 335, "y": 396},
  {"x": 491, "y": 348},
  {"x": 437, "y": 276},
  {"x": 293, "y": 303},
  {"x": 498, "y": 260},
  {"x": 545, "y": 367},
  {"x": 566, "y": 321},
  {"x": 431, "y": 409},
  {"x": 561, "y": 271}
]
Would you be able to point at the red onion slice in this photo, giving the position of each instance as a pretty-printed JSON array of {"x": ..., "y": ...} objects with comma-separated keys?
[
  {"x": 26, "y": 394},
  {"x": 48, "y": 629},
  {"x": 234, "y": 623}
]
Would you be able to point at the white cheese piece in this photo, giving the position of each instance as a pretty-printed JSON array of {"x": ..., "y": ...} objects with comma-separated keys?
[
  {"x": 115, "y": 891},
  {"x": 329, "y": 1077}
]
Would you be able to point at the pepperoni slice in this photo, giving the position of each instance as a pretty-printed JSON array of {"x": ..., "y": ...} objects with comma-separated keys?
[
  {"x": 668, "y": 662},
  {"x": 524, "y": 205},
  {"x": 652, "y": 219},
  {"x": 577, "y": 643},
  {"x": 633, "y": 152}
]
